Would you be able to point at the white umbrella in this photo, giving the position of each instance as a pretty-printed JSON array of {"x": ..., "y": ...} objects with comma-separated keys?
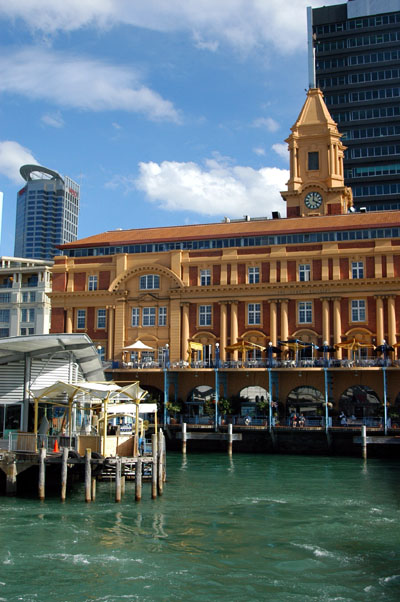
[{"x": 138, "y": 346}]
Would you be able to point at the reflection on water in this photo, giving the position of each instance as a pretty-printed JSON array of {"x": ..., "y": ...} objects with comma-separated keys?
[{"x": 242, "y": 528}]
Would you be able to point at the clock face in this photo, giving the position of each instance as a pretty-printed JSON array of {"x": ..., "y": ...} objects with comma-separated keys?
[{"x": 313, "y": 200}]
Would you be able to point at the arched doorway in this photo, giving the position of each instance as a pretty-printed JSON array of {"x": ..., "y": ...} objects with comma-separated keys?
[
  {"x": 251, "y": 396},
  {"x": 309, "y": 337},
  {"x": 359, "y": 401},
  {"x": 200, "y": 402},
  {"x": 305, "y": 400}
]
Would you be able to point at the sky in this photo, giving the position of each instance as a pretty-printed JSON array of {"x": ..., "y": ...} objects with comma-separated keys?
[{"x": 166, "y": 112}]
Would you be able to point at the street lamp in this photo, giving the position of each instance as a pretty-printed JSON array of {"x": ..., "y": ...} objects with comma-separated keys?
[{"x": 216, "y": 384}]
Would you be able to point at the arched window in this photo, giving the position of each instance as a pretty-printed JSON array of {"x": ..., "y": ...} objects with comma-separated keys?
[{"x": 149, "y": 281}]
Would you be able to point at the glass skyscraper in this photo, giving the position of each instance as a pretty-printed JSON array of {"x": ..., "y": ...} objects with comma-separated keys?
[
  {"x": 357, "y": 52},
  {"x": 47, "y": 213}
]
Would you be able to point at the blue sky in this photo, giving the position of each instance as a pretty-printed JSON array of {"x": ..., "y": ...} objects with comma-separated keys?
[{"x": 164, "y": 111}]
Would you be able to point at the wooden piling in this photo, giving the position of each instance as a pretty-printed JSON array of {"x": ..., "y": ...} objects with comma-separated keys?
[
  {"x": 64, "y": 471},
  {"x": 184, "y": 437},
  {"x": 230, "y": 430},
  {"x": 138, "y": 480},
  {"x": 364, "y": 441},
  {"x": 160, "y": 457},
  {"x": 88, "y": 475},
  {"x": 11, "y": 478},
  {"x": 94, "y": 482},
  {"x": 42, "y": 473},
  {"x": 118, "y": 480},
  {"x": 122, "y": 480},
  {"x": 164, "y": 459},
  {"x": 154, "y": 467}
]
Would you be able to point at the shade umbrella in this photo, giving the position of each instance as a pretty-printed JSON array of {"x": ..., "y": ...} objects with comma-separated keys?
[
  {"x": 241, "y": 346},
  {"x": 295, "y": 345},
  {"x": 353, "y": 345},
  {"x": 138, "y": 346}
]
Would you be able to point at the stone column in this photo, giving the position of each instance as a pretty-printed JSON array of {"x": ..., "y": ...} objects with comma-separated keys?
[
  {"x": 185, "y": 330},
  {"x": 326, "y": 335},
  {"x": 69, "y": 320},
  {"x": 234, "y": 327},
  {"x": 337, "y": 326},
  {"x": 392, "y": 320},
  {"x": 273, "y": 323},
  {"x": 380, "y": 329},
  {"x": 223, "y": 331},
  {"x": 284, "y": 320}
]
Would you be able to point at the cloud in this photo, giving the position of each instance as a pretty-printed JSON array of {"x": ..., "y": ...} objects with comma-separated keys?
[
  {"x": 54, "y": 120},
  {"x": 266, "y": 122},
  {"x": 203, "y": 44},
  {"x": 244, "y": 24},
  {"x": 80, "y": 83},
  {"x": 12, "y": 157},
  {"x": 281, "y": 149},
  {"x": 258, "y": 150},
  {"x": 217, "y": 188}
]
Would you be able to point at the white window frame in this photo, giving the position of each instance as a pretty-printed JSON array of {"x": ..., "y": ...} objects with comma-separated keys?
[
  {"x": 205, "y": 277},
  {"x": 135, "y": 316},
  {"x": 148, "y": 316},
  {"x": 253, "y": 275},
  {"x": 101, "y": 318},
  {"x": 162, "y": 315},
  {"x": 92, "y": 283},
  {"x": 305, "y": 312},
  {"x": 357, "y": 269},
  {"x": 358, "y": 310},
  {"x": 205, "y": 315},
  {"x": 80, "y": 319},
  {"x": 254, "y": 313},
  {"x": 149, "y": 282},
  {"x": 304, "y": 272}
]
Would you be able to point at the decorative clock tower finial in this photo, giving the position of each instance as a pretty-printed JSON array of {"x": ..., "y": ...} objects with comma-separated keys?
[{"x": 316, "y": 184}]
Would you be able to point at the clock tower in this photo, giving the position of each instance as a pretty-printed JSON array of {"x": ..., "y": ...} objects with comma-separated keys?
[{"x": 316, "y": 184}]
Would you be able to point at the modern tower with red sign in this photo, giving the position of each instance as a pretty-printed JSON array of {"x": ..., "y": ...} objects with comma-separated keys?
[{"x": 47, "y": 213}]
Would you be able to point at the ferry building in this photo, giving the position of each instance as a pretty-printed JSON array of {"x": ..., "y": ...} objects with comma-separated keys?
[{"x": 190, "y": 310}]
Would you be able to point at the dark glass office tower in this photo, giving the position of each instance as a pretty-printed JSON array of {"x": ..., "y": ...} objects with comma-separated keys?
[
  {"x": 47, "y": 213},
  {"x": 357, "y": 51}
]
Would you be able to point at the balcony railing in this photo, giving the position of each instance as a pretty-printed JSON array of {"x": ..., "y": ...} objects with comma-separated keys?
[{"x": 366, "y": 362}]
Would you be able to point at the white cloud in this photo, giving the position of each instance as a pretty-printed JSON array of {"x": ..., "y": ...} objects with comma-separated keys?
[
  {"x": 204, "y": 44},
  {"x": 54, "y": 120},
  {"x": 215, "y": 189},
  {"x": 80, "y": 83},
  {"x": 12, "y": 157},
  {"x": 244, "y": 24},
  {"x": 281, "y": 149},
  {"x": 258, "y": 150},
  {"x": 266, "y": 122}
]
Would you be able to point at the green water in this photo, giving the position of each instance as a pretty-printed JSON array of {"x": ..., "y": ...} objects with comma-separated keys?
[{"x": 251, "y": 528}]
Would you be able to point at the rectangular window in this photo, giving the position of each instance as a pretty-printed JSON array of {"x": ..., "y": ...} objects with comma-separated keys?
[
  {"x": 27, "y": 331},
  {"x": 101, "y": 318},
  {"x": 92, "y": 283},
  {"x": 254, "y": 313},
  {"x": 205, "y": 315},
  {"x": 25, "y": 297},
  {"x": 148, "y": 316},
  {"x": 135, "y": 316},
  {"x": 357, "y": 269},
  {"x": 5, "y": 297},
  {"x": 313, "y": 161},
  {"x": 205, "y": 277},
  {"x": 32, "y": 297},
  {"x": 149, "y": 281},
  {"x": 5, "y": 315},
  {"x": 253, "y": 275},
  {"x": 304, "y": 272},
  {"x": 162, "y": 316},
  {"x": 305, "y": 312},
  {"x": 4, "y": 332},
  {"x": 81, "y": 319},
  {"x": 358, "y": 310},
  {"x": 27, "y": 314}
]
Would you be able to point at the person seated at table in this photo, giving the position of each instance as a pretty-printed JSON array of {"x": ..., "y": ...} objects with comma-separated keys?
[
  {"x": 294, "y": 420},
  {"x": 302, "y": 420},
  {"x": 343, "y": 419}
]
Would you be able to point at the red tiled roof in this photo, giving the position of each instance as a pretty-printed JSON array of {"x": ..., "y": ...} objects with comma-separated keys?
[{"x": 351, "y": 221}]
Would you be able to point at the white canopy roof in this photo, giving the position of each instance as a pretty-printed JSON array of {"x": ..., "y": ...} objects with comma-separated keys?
[
  {"x": 98, "y": 390},
  {"x": 139, "y": 346}
]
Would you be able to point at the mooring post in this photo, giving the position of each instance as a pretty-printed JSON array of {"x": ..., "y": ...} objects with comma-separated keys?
[
  {"x": 160, "y": 457},
  {"x": 122, "y": 480},
  {"x": 364, "y": 441},
  {"x": 118, "y": 480},
  {"x": 64, "y": 470},
  {"x": 138, "y": 480},
  {"x": 42, "y": 473},
  {"x": 11, "y": 481},
  {"x": 93, "y": 489},
  {"x": 230, "y": 438},
  {"x": 164, "y": 460},
  {"x": 154, "y": 467},
  {"x": 88, "y": 475},
  {"x": 184, "y": 437}
]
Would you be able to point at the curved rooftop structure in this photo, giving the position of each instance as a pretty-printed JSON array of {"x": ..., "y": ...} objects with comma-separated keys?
[{"x": 38, "y": 172}]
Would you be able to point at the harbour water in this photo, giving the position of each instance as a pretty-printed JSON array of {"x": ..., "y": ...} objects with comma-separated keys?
[{"x": 254, "y": 527}]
